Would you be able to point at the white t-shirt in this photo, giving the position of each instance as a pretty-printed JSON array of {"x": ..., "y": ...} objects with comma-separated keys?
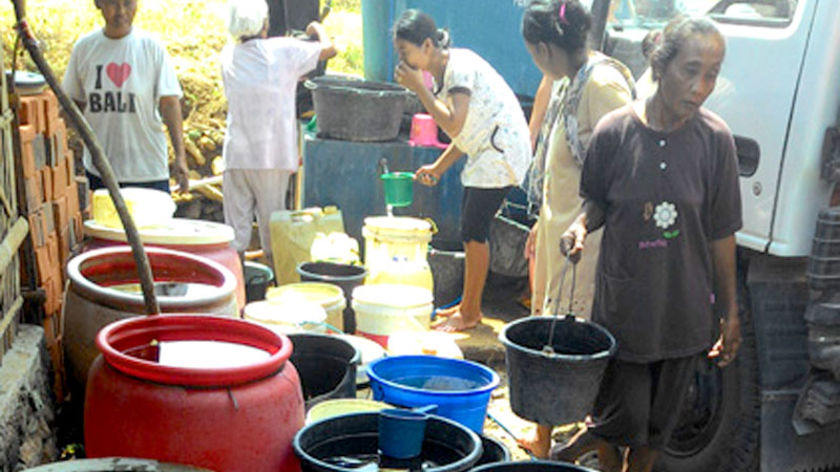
[
  {"x": 121, "y": 81},
  {"x": 495, "y": 134},
  {"x": 260, "y": 79}
]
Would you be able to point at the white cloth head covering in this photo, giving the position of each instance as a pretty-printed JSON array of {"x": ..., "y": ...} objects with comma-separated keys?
[{"x": 246, "y": 17}]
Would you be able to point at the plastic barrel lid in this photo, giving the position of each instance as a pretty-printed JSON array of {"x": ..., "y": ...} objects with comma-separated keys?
[
  {"x": 397, "y": 223},
  {"x": 175, "y": 231},
  {"x": 393, "y": 295}
]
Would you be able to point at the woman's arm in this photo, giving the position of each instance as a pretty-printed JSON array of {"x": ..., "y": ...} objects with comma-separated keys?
[
  {"x": 430, "y": 174},
  {"x": 451, "y": 120},
  {"x": 541, "y": 100},
  {"x": 723, "y": 257},
  {"x": 590, "y": 219},
  {"x": 327, "y": 47}
]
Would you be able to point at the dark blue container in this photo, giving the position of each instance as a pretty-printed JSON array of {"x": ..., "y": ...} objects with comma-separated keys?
[
  {"x": 401, "y": 433},
  {"x": 497, "y": 37},
  {"x": 460, "y": 389}
]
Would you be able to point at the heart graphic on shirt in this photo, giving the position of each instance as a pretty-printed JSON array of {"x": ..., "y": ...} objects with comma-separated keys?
[{"x": 118, "y": 73}]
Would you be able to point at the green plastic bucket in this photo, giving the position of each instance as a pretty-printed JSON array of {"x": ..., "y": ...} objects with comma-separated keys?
[{"x": 399, "y": 188}]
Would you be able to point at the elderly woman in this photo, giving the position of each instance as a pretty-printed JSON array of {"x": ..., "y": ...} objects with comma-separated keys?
[
  {"x": 661, "y": 178},
  {"x": 260, "y": 150}
]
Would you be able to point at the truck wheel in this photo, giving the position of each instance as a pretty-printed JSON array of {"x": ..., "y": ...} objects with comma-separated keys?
[{"x": 719, "y": 425}]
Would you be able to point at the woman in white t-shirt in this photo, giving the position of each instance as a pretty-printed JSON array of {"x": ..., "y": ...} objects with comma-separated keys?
[{"x": 478, "y": 110}]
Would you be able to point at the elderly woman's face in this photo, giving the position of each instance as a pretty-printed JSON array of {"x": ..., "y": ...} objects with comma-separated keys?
[{"x": 690, "y": 77}]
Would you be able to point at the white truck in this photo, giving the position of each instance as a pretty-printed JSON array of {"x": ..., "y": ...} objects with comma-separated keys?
[{"x": 779, "y": 91}]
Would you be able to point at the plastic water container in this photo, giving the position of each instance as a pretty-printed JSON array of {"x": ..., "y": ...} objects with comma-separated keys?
[
  {"x": 292, "y": 235},
  {"x": 329, "y": 296},
  {"x": 461, "y": 389},
  {"x": 287, "y": 318},
  {"x": 396, "y": 249},
  {"x": 382, "y": 310}
]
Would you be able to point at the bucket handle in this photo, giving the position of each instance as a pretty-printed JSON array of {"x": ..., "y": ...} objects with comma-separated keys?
[
  {"x": 569, "y": 314},
  {"x": 434, "y": 228},
  {"x": 556, "y": 310}
]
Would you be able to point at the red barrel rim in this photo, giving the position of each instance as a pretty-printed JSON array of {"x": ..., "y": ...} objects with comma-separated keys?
[
  {"x": 83, "y": 269},
  {"x": 116, "y": 337}
]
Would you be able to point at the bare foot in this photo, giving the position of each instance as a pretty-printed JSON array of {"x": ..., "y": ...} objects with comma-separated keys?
[
  {"x": 581, "y": 443},
  {"x": 537, "y": 445},
  {"x": 447, "y": 312},
  {"x": 458, "y": 322}
]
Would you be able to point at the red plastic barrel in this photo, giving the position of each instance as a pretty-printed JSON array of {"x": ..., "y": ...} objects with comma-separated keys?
[
  {"x": 237, "y": 418},
  {"x": 202, "y": 238}
]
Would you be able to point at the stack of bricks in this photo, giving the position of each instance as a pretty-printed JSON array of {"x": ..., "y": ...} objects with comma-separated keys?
[{"x": 51, "y": 203}]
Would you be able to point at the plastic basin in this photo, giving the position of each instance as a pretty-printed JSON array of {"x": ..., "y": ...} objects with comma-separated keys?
[{"x": 461, "y": 389}]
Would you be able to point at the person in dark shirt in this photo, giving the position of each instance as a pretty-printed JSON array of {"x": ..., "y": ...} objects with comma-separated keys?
[{"x": 660, "y": 176}]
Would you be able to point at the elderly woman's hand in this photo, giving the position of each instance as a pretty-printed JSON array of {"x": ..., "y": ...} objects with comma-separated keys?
[
  {"x": 726, "y": 347},
  {"x": 571, "y": 243}
]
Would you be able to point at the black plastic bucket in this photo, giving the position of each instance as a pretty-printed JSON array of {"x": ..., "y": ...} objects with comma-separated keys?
[
  {"x": 447, "y": 445},
  {"x": 357, "y": 110},
  {"x": 446, "y": 260},
  {"x": 345, "y": 276},
  {"x": 326, "y": 365},
  {"x": 492, "y": 451},
  {"x": 556, "y": 388},
  {"x": 257, "y": 279},
  {"x": 532, "y": 466}
]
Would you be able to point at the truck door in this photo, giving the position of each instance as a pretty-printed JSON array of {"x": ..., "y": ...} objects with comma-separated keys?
[{"x": 755, "y": 94}]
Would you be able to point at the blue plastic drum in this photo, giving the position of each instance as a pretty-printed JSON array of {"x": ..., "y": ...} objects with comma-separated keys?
[{"x": 460, "y": 389}]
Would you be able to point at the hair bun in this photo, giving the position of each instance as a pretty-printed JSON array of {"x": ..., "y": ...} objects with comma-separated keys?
[{"x": 442, "y": 37}]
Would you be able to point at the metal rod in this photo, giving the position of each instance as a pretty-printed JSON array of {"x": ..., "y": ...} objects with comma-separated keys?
[{"x": 99, "y": 160}]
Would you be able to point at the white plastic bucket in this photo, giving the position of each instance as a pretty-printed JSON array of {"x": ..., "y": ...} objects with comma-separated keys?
[
  {"x": 382, "y": 310},
  {"x": 286, "y": 318},
  {"x": 328, "y": 296}
]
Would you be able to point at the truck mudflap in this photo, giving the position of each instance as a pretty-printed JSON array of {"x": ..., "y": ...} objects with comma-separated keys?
[
  {"x": 779, "y": 293},
  {"x": 782, "y": 449}
]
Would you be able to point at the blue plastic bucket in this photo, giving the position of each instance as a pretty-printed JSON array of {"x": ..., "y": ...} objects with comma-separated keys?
[{"x": 460, "y": 389}]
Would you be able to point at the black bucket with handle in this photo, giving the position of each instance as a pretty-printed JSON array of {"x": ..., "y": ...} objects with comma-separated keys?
[{"x": 555, "y": 365}]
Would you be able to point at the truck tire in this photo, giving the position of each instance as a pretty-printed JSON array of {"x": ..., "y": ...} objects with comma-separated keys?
[{"x": 719, "y": 425}]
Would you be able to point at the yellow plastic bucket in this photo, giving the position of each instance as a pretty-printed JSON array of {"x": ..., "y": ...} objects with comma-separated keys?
[
  {"x": 396, "y": 249},
  {"x": 343, "y": 406},
  {"x": 329, "y": 296}
]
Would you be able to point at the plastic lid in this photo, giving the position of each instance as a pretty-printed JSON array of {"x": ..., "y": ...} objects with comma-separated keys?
[
  {"x": 175, "y": 231},
  {"x": 298, "y": 313},
  {"x": 393, "y": 295},
  {"x": 147, "y": 207},
  {"x": 397, "y": 223}
]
